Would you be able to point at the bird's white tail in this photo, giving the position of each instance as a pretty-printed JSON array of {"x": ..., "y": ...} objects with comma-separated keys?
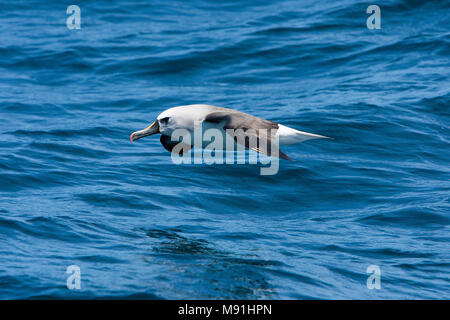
[{"x": 288, "y": 135}]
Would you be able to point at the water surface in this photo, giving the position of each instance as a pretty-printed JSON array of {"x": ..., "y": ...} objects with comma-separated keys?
[{"x": 75, "y": 191}]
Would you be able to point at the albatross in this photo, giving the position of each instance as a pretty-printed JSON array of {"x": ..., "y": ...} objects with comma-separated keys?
[{"x": 223, "y": 119}]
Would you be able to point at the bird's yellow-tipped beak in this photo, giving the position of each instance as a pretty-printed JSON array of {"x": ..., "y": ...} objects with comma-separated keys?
[{"x": 151, "y": 129}]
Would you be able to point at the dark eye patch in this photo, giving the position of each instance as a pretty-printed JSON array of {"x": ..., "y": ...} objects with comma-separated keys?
[{"x": 164, "y": 120}]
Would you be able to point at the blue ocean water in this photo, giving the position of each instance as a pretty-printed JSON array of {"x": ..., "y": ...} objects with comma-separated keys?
[{"x": 75, "y": 191}]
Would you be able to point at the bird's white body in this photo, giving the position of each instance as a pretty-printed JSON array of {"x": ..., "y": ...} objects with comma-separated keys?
[{"x": 185, "y": 117}]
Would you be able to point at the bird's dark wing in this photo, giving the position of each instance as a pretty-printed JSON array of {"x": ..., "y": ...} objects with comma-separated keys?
[
  {"x": 168, "y": 144},
  {"x": 253, "y": 129}
]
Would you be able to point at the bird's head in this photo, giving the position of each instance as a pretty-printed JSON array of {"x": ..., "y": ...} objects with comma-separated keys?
[{"x": 165, "y": 124}]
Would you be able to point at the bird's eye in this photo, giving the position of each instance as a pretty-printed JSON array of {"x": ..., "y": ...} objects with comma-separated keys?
[{"x": 164, "y": 120}]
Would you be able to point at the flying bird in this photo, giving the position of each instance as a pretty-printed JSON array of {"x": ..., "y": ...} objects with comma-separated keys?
[{"x": 186, "y": 117}]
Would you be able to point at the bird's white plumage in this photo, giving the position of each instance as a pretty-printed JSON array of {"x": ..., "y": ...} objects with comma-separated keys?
[{"x": 184, "y": 117}]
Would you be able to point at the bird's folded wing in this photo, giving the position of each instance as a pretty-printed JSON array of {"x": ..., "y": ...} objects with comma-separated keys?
[{"x": 255, "y": 133}]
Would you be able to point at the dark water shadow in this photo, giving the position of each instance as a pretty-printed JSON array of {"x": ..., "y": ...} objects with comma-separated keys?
[{"x": 215, "y": 273}]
